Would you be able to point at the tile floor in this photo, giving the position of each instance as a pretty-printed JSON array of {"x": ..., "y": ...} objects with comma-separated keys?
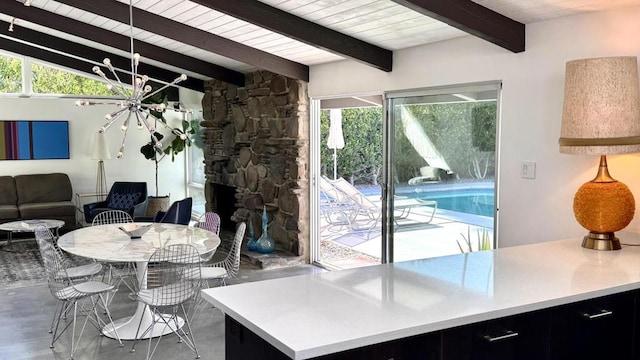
[{"x": 25, "y": 315}]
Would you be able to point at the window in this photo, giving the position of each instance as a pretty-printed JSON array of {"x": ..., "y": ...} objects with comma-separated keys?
[
  {"x": 49, "y": 80},
  {"x": 22, "y": 75},
  {"x": 10, "y": 75},
  {"x": 195, "y": 168}
]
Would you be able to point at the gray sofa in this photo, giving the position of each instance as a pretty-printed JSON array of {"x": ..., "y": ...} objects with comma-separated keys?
[{"x": 37, "y": 196}]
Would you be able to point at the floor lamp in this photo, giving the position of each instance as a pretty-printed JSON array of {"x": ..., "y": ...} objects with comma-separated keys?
[{"x": 100, "y": 153}]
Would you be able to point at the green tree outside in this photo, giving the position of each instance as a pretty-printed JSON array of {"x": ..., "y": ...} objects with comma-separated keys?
[
  {"x": 10, "y": 75},
  {"x": 47, "y": 80},
  {"x": 464, "y": 134}
]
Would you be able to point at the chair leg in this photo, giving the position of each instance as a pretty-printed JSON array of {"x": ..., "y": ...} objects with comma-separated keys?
[
  {"x": 104, "y": 303},
  {"x": 56, "y": 315},
  {"x": 189, "y": 334}
]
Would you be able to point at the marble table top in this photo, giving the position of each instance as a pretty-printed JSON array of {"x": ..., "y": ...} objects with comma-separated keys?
[
  {"x": 30, "y": 225},
  {"x": 109, "y": 243}
]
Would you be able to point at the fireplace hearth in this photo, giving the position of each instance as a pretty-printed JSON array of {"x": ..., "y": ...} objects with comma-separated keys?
[{"x": 223, "y": 201}]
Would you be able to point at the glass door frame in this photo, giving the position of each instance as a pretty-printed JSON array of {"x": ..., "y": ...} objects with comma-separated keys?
[
  {"x": 388, "y": 185},
  {"x": 315, "y": 168}
]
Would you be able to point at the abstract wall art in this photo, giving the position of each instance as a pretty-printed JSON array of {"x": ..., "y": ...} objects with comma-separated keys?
[{"x": 34, "y": 140}]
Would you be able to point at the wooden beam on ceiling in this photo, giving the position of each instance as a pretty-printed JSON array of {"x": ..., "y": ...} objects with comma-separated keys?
[
  {"x": 305, "y": 31},
  {"x": 82, "y": 52},
  {"x": 474, "y": 19},
  {"x": 201, "y": 39},
  {"x": 99, "y": 35}
]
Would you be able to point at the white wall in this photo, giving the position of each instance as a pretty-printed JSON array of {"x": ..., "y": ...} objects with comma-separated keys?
[
  {"x": 533, "y": 81},
  {"x": 84, "y": 122}
]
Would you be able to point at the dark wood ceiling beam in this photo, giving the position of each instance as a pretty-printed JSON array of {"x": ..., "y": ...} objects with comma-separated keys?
[
  {"x": 157, "y": 24},
  {"x": 474, "y": 19},
  {"x": 305, "y": 31},
  {"x": 84, "y": 52},
  {"x": 99, "y": 35}
]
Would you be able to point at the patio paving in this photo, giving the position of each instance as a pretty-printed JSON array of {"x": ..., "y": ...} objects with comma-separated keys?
[{"x": 414, "y": 239}]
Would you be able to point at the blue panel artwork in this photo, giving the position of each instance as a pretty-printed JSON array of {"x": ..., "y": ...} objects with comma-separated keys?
[{"x": 25, "y": 140}]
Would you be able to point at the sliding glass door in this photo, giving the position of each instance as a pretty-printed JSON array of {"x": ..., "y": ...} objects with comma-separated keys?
[
  {"x": 440, "y": 169},
  {"x": 411, "y": 176}
]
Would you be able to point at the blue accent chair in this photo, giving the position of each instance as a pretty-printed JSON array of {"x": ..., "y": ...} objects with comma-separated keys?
[
  {"x": 130, "y": 197},
  {"x": 178, "y": 213}
]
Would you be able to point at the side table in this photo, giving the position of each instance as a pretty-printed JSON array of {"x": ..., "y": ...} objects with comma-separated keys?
[
  {"x": 29, "y": 226},
  {"x": 83, "y": 198}
]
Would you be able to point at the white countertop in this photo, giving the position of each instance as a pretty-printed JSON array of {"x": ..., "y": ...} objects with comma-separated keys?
[{"x": 318, "y": 314}]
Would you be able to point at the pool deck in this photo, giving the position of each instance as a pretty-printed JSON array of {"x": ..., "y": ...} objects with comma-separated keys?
[{"x": 415, "y": 237}]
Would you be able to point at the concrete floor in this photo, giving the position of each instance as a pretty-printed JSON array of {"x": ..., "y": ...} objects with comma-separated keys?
[{"x": 25, "y": 316}]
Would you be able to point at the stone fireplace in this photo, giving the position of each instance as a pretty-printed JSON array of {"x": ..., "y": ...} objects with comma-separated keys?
[{"x": 256, "y": 148}]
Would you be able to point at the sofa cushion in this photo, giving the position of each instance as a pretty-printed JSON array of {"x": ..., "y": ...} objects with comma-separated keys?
[
  {"x": 8, "y": 212},
  {"x": 123, "y": 201},
  {"x": 43, "y": 188},
  {"x": 8, "y": 194},
  {"x": 47, "y": 210}
]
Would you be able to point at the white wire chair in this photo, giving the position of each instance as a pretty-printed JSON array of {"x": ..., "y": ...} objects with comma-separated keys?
[
  {"x": 74, "y": 271},
  {"x": 167, "y": 291},
  {"x": 219, "y": 271},
  {"x": 208, "y": 221},
  {"x": 119, "y": 273},
  {"x": 229, "y": 267},
  {"x": 69, "y": 292}
]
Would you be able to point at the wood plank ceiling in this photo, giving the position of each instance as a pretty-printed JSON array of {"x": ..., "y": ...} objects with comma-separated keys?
[{"x": 226, "y": 38}]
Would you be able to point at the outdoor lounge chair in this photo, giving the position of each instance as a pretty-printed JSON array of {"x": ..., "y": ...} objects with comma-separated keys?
[
  {"x": 362, "y": 205},
  {"x": 428, "y": 175},
  {"x": 341, "y": 211}
]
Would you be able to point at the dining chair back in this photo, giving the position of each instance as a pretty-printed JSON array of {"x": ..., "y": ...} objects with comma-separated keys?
[
  {"x": 74, "y": 269},
  {"x": 209, "y": 221},
  {"x": 69, "y": 294},
  {"x": 230, "y": 266},
  {"x": 119, "y": 273},
  {"x": 112, "y": 217},
  {"x": 167, "y": 291}
]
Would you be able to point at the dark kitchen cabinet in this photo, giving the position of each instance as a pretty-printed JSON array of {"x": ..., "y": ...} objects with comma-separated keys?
[
  {"x": 524, "y": 336},
  {"x": 598, "y": 328}
]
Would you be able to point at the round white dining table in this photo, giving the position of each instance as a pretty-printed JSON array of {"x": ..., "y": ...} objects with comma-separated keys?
[{"x": 107, "y": 243}]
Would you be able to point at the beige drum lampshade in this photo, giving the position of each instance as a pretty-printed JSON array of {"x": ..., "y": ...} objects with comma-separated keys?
[{"x": 601, "y": 113}]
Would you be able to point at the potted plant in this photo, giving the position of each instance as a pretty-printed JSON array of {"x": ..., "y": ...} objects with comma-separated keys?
[{"x": 179, "y": 140}]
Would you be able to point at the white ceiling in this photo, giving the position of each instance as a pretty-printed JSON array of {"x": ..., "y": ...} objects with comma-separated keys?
[{"x": 380, "y": 22}]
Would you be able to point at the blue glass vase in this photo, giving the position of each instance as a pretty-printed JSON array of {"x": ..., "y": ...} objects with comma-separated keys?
[
  {"x": 265, "y": 244},
  {"x": 252, "y": 244}
]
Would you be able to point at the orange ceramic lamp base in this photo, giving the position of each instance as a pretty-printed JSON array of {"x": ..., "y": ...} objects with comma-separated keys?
[{"x": 603, "y": 206}]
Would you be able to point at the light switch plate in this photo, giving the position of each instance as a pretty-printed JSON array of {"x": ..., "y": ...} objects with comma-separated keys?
[{"x": 528, "y": 169}]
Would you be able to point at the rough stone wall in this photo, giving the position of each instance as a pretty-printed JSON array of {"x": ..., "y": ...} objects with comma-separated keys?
[{"x": 257, "y": 140}]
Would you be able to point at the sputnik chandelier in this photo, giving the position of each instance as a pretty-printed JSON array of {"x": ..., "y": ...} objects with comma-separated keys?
[{"x": 131, "y": 101}]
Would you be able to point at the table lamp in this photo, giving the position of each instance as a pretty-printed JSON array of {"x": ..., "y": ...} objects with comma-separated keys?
[
  {"x": 100, "y": 152},
  {"x": 601, "y": 116}
]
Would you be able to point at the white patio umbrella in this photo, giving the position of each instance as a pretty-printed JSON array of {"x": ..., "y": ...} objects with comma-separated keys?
[{"x": 336, "y": 139}]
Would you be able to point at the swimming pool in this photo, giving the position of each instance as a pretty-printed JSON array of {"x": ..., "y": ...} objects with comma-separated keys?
[{"x": 470, "y": 201}]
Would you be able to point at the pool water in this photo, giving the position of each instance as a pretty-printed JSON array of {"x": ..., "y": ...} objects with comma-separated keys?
[{"x": 470, "y": 201}]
